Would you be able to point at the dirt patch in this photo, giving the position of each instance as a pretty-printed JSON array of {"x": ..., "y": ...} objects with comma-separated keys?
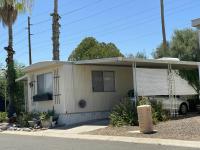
[{"x": 184, "y": 128}]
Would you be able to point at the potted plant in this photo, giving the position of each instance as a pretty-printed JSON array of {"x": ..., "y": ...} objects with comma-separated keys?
[{"x": 45, "y": 119}]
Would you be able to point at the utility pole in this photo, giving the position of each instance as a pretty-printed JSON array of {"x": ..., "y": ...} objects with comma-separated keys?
[
  {"x": 163, "y": 24},
  {"x": 29, "y": 41},
  {"x": 55, "y": 31}
]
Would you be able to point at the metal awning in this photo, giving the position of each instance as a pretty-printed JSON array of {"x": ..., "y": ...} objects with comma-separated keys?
[{"x": 141, "y": 63}]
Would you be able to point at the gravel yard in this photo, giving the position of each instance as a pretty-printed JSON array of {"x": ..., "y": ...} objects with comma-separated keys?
[{"x": 184, "y": 128}]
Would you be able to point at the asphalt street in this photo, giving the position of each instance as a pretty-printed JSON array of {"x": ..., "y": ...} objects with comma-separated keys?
[{"x": 16, "y": 142}]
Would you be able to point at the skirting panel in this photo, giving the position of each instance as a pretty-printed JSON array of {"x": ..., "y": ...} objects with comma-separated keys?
[{"x": 74, "y": 118}]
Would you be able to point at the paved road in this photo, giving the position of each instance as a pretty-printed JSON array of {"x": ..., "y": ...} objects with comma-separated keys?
[{"x": 16, "y": 142}]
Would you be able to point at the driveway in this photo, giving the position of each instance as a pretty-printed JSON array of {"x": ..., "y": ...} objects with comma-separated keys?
[
  {"x": 82, "y": 127},
  {"x": 16, "y": 142}
]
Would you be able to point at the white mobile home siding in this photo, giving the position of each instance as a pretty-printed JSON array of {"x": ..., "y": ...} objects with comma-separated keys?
[
  {"x": 44, "y": 106},
  {"x": 78, "y": 81}
]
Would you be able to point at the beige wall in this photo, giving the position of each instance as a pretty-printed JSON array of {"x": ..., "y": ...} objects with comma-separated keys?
[
  {"x": 75, "y": 83},
  {"x": 81, "y": 81}
]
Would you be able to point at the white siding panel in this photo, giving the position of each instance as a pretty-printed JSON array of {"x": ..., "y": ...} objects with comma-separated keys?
[
  {"x": 151, "y": 82},
  {"x": 182, "y": 86},
  {"x": 154, "y": 82}
]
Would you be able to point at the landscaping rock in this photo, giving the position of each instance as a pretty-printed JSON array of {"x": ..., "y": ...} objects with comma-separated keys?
[
  {"x": 27, "y": 129},
  {"x": 3, "y": 128},
  {"x": 19, "y": 129},
  {"x": 12, "y": 128}
]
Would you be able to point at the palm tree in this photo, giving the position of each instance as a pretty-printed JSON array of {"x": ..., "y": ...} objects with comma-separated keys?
[
  {"x": 55, "y": 31},
  {"x": 8, "y": 13},
  {"x": 163, "y": 24}
]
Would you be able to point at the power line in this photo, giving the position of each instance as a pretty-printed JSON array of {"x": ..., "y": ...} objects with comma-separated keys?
[
  {"x": 124, "y": 28},
  {"x": 182, "y": 9},
  {"x": 137, "y": 37},
  {"x": 70, "y": 12},
  {"x": 89, "y": 16},
  {"x": 84, "y": 18},
  {"x": 85, "y": 6}
]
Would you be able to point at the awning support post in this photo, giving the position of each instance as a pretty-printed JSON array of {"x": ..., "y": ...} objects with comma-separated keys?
[
  {"x": 199, "y": 78},
  {"x": 134, "y": 66}
]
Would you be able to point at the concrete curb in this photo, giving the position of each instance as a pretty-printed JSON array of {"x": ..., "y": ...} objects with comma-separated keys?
[{"x": 166, "y": 142}]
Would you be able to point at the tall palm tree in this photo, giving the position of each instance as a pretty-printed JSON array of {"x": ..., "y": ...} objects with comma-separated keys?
[
  {"x": 55, "y": 31},
  {"x": 163, "y": 24},
  {"x": 8, "y": 13}
]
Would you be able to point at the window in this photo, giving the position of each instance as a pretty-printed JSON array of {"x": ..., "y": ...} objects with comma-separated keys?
[
  {"x": 103, "y": 81},
  {"x": 45, "y": 83}
]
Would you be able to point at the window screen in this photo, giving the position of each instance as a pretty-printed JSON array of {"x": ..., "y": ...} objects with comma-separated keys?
[
  {"x": 45, "y": 83},
  {"x": 103, "y": 81}
]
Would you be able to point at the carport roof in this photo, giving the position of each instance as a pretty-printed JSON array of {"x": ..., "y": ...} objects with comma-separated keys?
[
  {"x": 118, "y": 61},
  {"x": 143, "y": 63}
]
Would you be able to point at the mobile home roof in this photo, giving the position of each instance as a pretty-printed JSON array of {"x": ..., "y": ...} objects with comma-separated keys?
[
  {"x": 119, "y": 61},
  {"x": 145, "y": 63}
]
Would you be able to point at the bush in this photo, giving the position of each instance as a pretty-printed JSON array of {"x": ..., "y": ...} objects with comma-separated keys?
[
  {"x": 23, "y": 119},
  {"x": 143, "y": 101},
  {"x": 3, "y": 116},
  {"x": 123, "y": 114},
  {"x": 158, "y": 114},
  {"x": 44, "y": 116}
]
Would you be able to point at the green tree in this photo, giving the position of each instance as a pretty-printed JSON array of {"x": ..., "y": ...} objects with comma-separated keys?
[
  {"x": 9, "y": 10},
  {"x": 19, "y": 92},
  {"x": 161, "y": 52},
  {"x": 183, "y": 45},
  {"x": 90, "y": 48},
  {"x": 141, "y": 55}
]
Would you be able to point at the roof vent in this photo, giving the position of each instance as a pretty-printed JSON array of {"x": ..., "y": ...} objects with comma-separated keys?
[{"x": 169, "y": 59}]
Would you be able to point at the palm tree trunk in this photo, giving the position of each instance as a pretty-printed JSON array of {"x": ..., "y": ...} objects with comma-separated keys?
[
  {"x": 163, "y": 24},
  {"x": 10, "y": 71},
  {"x": 56, "y": 32}
]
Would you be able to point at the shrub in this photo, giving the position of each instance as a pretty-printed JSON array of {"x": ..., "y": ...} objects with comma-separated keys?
[
  {"x": 23, "y": 119},
  {"x": 143, "y": 101},
  {"x": 123, "y": 114},
  {"x": 44, "y": 116},
  {"x": 158, "y": 114},
  {"x": 3, "y": 116}
]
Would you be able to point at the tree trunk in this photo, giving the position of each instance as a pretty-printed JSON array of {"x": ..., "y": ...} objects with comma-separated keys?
[
  {"x": 163, "y": 24},
  {"x": 55, "y": 31},
  {"x": 10, "y": 71}
]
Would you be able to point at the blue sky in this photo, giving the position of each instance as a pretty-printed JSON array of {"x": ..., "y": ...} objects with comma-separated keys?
[{"x": 133, "y": 25}]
